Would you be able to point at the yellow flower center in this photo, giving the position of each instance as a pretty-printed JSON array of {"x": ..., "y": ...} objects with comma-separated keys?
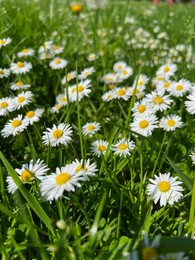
[
  {"x": 3, "y": 104},
  {"x": 86, "y": 73},
  {"x": 21, "y": 99},
  {"x": 62, "y": 178},
  {"x": 124, "y": 72},
  {"x": 158, "y": 100},
  {"x": 122, "y": 146},
  {"x": 57, "y": 133},
  {"x": 140, "y": 83},
  {"x": 141, "y": 108},
  {"x": 30, "y": 114},
  {"x": 159, "y": 78},
  {"x": 179, "y": 87},
  {"x": 135, "y": 91},
  {"x": 16, "y": 123},
  {"x": 121, "y": 92},
  {"x": 19, "y": 83},
  {"x": 76, "y": 8},
  {"x": 25, "y": 50},
  {"x": 110, "y": 79},
  {"x": 167, "y": 84},
  {"x": 79, "y": 167},
  {"x": 120, "y": 67},
  {"x": 143, "y": 124},
  {"x": 69, "y": 76},
  {"x": 101, "y": 148},
  {"x": 20, "y": 64},
  {"x": 164, "y": 186},
  {"x": 111, "y": 86},
  {"x": 149, "y": 253},
  {"x": 80, "y": 88},
  {"x": 26, "y": 176},
  {"x": 57, "y": 61},
  {"x": 58, "y": 106},
  {"x": 63, "y": 99},
  {"x": 55, "y": 47},
  {"x": 1, "y": 72},
  {"x": 171, "y": 122},
  {"x": 2, "y": 41},
  {"x": 166, "y": 69},
  {"x": 90, "y": 127}
]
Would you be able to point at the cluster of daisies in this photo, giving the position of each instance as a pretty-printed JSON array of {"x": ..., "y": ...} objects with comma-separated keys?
[{"x": 53, "y": 185}]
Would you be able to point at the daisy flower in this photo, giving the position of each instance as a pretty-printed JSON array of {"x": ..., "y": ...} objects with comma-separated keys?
[
  {"x": 159, "y": 78},
  {"x": 137, "y": 91},
  {"x": 27, "y": 52},
  {"x": 62, "y": 99},
  {"x": 80, "y": 91},
  {"x": 178, "y": 89},
  {"x": 164, "y": 188},
  {"x": 57, "y": 135},
  {"x": 14, "y": 126},
  {"x": 99, "y": 147},
  {"x": 86, "y": 72},
  {"x": 56, "y": 49},
  {"x": 159, "y": 101},
  {"x": 144, "y": 125},
  {"x": 68, "y": 77},
  {"x": 19, "y": 85},
  {"x": 85, "y": 167},
  {"x": 141, "y": 81},
  {"x": 142, "y": 107},
  {"x": 92, "y": 57},
  {"x": 192, "y": 155},
  {"x": 20, "y": 67},
  {"x": 110, "y": 78},
  {"x": 56, "y": 108},
  {"x": 91, "y": 128},
  {"x": 123, "y": 147},
  {"x": 190, "y": 103},
  {"x": 23, "y": 99},
  {"x": 122, "y": 93},
  {"x": 109, "y": 95},
  {"x": 5, "y": 106},
  {"x": 5, "y": 41},
  {"x": 64, "y": 179},
  {"x": 167, "y": 70},
  {"x": 175, "y": 256},
  {"x": 164, "y": 85},
  {"x": 4, "y": 73},
  {"x": 124, "y": 74},
  {"x": 119, "y": 66},
  {"x": 58, "y": 63},
  {"x": 34, "y": 115},
  {"x": 27, "y": 173},
  {"x": 170, "y": 123}
]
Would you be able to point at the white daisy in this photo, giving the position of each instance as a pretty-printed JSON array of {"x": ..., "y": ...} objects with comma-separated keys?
[
  {"x": 159, "y": 101},
  {"x": 64, "y": 179},
  {"x": 164, "y": 85},
  {"x": 62, "y": 99},
  {"x": 140, "y": 81},
  {"x": 175, "y": 256},
  {"x": 92, "y": 57},
  {"x": 137, "y": 91},
  {"x": 23, "y": 99},
  {"x": 110, "y": 77},
  {"x": 70, "y": 75},
  {"x": 4, "y": 73},
  {"x": 19, "y": 85},
  {"x": 122, "y": 93},
  {"x": 167, "y": 70},
  {"x": 178, "y": 89},
  {"x": 192, "y": 155},
  {"x": 34, "y": 115},
  {"x": 56, "y": 108},
  {"x": 5, "y": 106},
  {"x": 27, "y": 173},
  {"x": 164, "y": 188},
  {"x": 58, "y": 63},
  {"x": 86, "y": 73},
  {"x": 109, "y": 95},
  {"x": 119, "y": 66},
  {"x": 123, "y": 147},
  {"x": 170, "y": 123},
  {"x": 56, "y": 49},
  {"x": 159, "y": 79},
  {"x": 14, "y": 126},
  {"x": 88, "y": 169},
  {"x": 190, "y": 103},
  {"x": 61, "y": 134},
  {"x": 27, "y": 52},
  {"x": 124, "y": 74},
  {"x": 99, "y": 147},
  {"x": 83, "y": 89},
  {"x": 5, "y": 41},
  {"x": 142, "y": 107},
  {"x": 91, "y": 128},
  {"x": 144, "y": 125},
  {"x": 20, "y": 67}
]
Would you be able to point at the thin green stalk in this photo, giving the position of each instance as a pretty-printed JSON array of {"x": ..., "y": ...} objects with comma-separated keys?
[{"x": 191, "y": 223}]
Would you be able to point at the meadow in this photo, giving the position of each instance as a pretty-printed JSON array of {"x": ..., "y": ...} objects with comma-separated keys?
[{"x": 97, "y": 142}]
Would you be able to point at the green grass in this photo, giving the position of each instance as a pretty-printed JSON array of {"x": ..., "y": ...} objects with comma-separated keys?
[{"x": 107, "y": 216}]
